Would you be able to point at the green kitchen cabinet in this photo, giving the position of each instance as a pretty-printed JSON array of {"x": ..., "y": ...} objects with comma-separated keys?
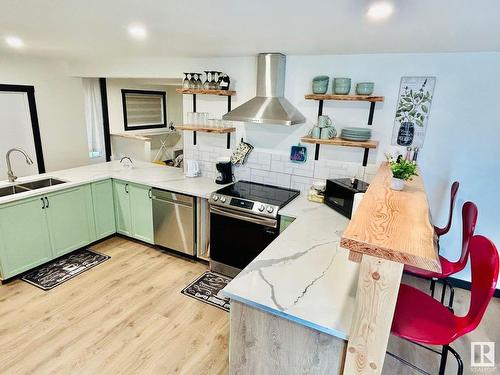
[
  {"x": 122, "y": 208},
  {"x": 70, "y": 219},
  {"x": 134, "y": 210},
  {"x": 24, "y": 236},
  {"x": 141, "y": 208},
  {"x": 104, "y": 208},
  {"x": 285, "y": 221}
]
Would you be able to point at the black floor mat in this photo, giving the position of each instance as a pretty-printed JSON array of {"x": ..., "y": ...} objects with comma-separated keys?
[
  {"x": 63, "y": 269},
  {"x": 206, "y": 288}
]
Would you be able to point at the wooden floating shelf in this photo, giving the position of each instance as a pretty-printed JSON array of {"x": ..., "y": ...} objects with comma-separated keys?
[
  {"x": 340, "y": 142},
  {"x": 207, "y": 92},
  {"x": 359, "y": 98},
  {"x": 205, "y": 129}
]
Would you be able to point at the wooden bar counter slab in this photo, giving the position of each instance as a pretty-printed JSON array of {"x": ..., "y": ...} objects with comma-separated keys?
[{"x": 393, "y": 225}]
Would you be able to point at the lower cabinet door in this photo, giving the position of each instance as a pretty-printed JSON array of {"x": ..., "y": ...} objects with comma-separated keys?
[
  {"x": 24, "y": 237},
  {"x": 141, "y": 208},
  {"x": 123, "y": 218},
  {"x": 104, "y": 211},
  {"x": 70, "y": 219}
]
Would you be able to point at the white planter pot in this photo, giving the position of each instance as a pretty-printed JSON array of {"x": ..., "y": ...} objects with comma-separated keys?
[{"x": 397, "y": 184}]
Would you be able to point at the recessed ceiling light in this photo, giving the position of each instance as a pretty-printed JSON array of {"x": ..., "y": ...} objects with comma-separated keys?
[
  {"x": 14, "y": 41},
  {"x": 380, "y": 10},
  {"x": 137, "y": 32}
]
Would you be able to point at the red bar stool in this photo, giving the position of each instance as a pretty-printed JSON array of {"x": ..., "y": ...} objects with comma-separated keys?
[
  {"x": 469, "y": 219},
  {"x": 453, "y": 197},
  {"x": 422, "y": 320}
]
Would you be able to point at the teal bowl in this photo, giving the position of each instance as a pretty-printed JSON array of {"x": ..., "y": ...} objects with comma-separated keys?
[
  {"x": 365, "y": 88},
  {"x": 341, "y": 89},
  {"x": 320, "y": 84}
]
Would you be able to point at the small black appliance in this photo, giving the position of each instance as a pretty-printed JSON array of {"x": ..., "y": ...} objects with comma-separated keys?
[
  {"x": 225, "y": 169},
  {"x": 339, "y": 194}
]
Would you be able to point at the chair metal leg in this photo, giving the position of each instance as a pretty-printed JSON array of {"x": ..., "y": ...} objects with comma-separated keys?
[
  {"x": 444, "y": 356},
  {"x": 433, "y": 286},
  {"x": 460, "y": 363}
]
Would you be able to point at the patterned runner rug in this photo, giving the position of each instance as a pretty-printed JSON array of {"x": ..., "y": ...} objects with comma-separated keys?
[{"x": 206, "y": 288}]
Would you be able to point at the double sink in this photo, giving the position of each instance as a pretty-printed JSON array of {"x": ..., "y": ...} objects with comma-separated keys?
[{"x": 28, "y": 186}]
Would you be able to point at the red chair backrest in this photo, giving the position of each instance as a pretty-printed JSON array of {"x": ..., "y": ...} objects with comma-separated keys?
[
  {"x": 484, "y": 266},
  {"x": 469, "y": 220},
  {"x": 453, "y": 197}
]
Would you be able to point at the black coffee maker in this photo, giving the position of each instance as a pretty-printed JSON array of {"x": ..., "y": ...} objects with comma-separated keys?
[{"x": 225, "y": 169}]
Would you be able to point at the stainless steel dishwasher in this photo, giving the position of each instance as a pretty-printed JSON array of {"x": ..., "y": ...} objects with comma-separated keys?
[{"x": 174, "y": 220}]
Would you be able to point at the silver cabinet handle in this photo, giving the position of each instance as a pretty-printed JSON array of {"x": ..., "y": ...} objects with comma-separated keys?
[
  {"x": 150, "y": 194},
  {"x": 43, "y": 202},
  {"x": 47, "y": 200},
  {"x": 126, "y": 188}
]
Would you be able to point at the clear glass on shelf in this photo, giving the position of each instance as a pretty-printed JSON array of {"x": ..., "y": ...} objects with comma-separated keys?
[
  {"x": 206, "y": 84},
  {"x": 198, "y": 82},
  {"x": 192, "y": 81},
  {"x": 203, "y": 119},
  {"x": 211, "y": 123},
  {"x": 185, "y": 82},
  {"x": 190, "y": 118}
]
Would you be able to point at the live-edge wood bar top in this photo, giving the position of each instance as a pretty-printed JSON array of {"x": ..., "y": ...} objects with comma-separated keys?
[
  {"x": 361, "y": 98},
  {"x": 393, "y": 225},
  {"x": 205, "y": 129},
  {"x": 207, "y": 92},
  {"x": 340, "y": 142}
]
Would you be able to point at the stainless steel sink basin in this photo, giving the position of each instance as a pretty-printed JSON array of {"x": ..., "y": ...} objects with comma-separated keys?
[
  {"x": 38, "y": 184},
  {"x": 14, "y": 189}
]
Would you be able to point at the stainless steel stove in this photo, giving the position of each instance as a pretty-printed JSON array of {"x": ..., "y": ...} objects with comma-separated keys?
[{"x": 244, "y": 220}]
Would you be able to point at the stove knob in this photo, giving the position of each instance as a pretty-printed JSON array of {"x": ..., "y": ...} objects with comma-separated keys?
[
  {"x": 261, "y": 208},
  {"x": 270, "y": 209},
  {"x": 215, "y": 197},
  {"x": 223, "y": 199}
]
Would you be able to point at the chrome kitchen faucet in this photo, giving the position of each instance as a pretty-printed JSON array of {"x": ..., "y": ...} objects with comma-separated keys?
[{"x": 12, "y": 177}]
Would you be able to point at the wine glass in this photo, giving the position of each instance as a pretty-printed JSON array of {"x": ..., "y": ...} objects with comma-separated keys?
[
  {"x": 192, "y": 81},
  {"x": 199, "y": 84},
  {"x": 185, "y": 82},
  {"x": 206, "y": 84}
]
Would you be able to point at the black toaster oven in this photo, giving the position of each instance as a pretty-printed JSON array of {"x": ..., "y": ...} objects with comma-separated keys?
[{"x": 339, "y": 194}]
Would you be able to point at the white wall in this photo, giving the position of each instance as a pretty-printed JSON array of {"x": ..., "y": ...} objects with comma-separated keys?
[
  {"x": 463, "y": 124},
  {"x": 59, "y": 100}
]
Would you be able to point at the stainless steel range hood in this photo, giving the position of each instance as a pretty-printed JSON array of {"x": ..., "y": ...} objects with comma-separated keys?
[{"x": 269, "y": 106}]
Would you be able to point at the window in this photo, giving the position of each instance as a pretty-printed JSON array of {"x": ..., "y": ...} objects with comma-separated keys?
[
  {"x": 144, "y": 109},
  {"x": 93, "y": 118}
]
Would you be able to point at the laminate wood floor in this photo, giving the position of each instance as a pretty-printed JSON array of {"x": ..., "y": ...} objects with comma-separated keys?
[{"x": 127, "y": 316}]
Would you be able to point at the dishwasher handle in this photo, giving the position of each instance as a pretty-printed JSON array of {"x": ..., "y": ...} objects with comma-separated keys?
[{"x": 174, "y": 198}]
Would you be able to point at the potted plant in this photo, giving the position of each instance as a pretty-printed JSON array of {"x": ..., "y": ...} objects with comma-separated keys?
[
  {"x": 402, "y": 170},
  {"x": 412, "y": 108}
]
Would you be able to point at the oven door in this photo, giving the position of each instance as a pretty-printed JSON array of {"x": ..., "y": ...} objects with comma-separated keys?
[{"x": 236, "y": 238}]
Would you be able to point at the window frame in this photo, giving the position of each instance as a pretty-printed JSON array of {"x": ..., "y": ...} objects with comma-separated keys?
[{"x": 128, "y": 127}]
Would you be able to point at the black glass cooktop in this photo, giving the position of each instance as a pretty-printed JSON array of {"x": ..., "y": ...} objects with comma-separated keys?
[{"x": 260, "y": 193}]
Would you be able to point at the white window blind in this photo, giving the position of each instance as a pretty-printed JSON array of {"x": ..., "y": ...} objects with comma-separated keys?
[{"x": 143, "y": 109}]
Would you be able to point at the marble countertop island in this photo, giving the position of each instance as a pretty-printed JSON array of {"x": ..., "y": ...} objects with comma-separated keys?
[
  {"x": 303, "y": 275},
  {"x": 149, "y": 174}
]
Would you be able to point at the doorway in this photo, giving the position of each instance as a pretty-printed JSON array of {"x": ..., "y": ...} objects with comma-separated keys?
[{"x": 19, "y": 128}]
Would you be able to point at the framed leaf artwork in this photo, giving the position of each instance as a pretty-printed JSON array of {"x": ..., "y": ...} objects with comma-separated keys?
[{"x": 412, "y": 111}]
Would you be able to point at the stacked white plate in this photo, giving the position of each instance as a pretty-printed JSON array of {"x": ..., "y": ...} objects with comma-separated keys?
[{"x": 356, "y": 134}]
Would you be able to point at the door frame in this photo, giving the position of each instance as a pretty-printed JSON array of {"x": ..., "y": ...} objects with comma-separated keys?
[{"x": 30, "y": 92}]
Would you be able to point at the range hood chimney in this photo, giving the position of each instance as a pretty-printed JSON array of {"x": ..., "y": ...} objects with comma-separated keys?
[{"x": 270, "y": 105}]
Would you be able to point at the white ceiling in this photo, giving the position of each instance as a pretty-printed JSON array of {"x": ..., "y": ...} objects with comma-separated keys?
[{"x": 93, "y": 29}]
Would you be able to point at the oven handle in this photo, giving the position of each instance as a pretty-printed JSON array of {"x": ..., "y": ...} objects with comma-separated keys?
[{"x": 240, "y": 216}]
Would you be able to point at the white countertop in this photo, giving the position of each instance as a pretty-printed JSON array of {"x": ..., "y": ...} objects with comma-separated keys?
[
  {"x": 303, "y": 275},
  {"x": 149, "y": 174}
]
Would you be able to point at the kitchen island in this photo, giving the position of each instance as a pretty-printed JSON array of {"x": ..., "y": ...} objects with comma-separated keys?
[{"x": 307, "y": 305}]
